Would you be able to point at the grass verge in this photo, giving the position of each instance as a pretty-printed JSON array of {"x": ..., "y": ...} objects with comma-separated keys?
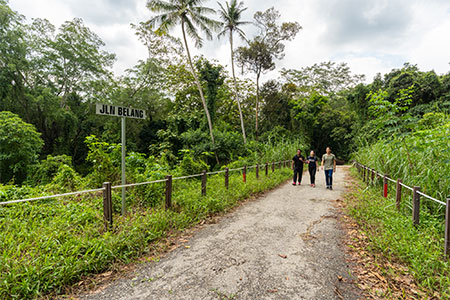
[
  {"x": 49, "y": 245},
  {"x": 392, "y": 237}
]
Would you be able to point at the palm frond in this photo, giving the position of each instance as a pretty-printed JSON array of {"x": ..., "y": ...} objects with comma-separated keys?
[
  {"x": 161, "y": 6},
  {"x": 231, "y": 16},
  {"x": 206, "y": 24},
  {"x": 241, "y": 34},
  {"x": 164, "y": 22},
  {"x": 192, "y": 32},
  {"x": 222, "y": 33},
  {"x": 203, "y": 10}
]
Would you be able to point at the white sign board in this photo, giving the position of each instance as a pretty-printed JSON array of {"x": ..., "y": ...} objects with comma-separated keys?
[{"x": 119, "y": 111}]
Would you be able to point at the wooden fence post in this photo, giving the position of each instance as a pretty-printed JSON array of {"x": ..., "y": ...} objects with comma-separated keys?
[
  {"x": 267, "y": 169},
  {"x": 244, "y": 174},
  {"x": 273, "y": 167},
  {"x": 107, "y": 206},
  {"x": 204, "y": 183},
  {"x": 364, "y": 174},
  {"x": 385, "y": 186},
  {"x": 168, "y": 191},
  {"x": 257, "y": 171},
  {"x": 447, "y": 228},
  {"x": 226, "y": 177},
  {"x": 398, "y": 193},
  {"x": 416, "y": 205}
]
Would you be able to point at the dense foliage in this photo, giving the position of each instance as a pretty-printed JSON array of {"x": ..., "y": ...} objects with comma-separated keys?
[{"x": 199, "y": 118}]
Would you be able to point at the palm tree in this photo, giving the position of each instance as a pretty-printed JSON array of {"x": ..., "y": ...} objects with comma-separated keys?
[
  {"x": 231, "y": 20},
  {"x": 188, "y": 13}
]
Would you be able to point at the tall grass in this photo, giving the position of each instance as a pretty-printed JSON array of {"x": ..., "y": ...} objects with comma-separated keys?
[
  {"x": 50, "y": 244},
  {"x": 393, "y": 235},
  {"x": 272, "y": 150},
  {"x": 421, "y": 158}
]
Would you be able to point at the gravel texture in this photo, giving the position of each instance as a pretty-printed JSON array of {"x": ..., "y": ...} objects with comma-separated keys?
[{"x": 287, "y": 244}]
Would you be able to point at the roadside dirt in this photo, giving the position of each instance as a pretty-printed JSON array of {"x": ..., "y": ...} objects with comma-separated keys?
[{"x": 287, "y": 244}]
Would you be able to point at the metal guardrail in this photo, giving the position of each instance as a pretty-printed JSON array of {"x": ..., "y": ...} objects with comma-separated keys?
[
  {"x": 129, "y": 185},
  {"x": 401, "y": 183},
  {"x": 52, "y": 196},
  {"x": 366, "y": 171}
]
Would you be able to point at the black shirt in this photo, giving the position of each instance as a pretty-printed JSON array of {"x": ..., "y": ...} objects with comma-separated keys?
[
  {"x": 312, "y": 161},
  {"x": 298, "y": 161}
]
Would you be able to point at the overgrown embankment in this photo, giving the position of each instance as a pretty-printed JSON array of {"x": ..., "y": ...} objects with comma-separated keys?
[
  {"x": 49, "y": 244},
  {"x": 420, "y": 158}
]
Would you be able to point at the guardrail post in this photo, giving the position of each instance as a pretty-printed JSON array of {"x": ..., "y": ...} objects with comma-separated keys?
[
  {"x": 168, "y": 191},
  {"x": 385, "y": 186},
  {"x": 226, "y": 177},
  {"x": 107, "y": 206},
  {"x": 244, "y": 174},
  {"x": 416, "y": 205},
  {"x": 267, "y": 169},
  {"x": 398, "y": 193},
  {"x": 364, "y": 174},
  {"x": 257, "y": 171},
  {"x": 373, "y": 176},
  {"x": 447, "y": 228},
  {"x": 204, "y": 183},
  {"x": 273, "y": 167}
]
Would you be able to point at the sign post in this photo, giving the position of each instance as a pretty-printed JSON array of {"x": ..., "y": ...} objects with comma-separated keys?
[
  {"x": 122, "y": 112},
  {"x": 124, "y": 208}
]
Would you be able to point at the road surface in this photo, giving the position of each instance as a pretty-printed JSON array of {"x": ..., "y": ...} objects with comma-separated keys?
[{"x": 285, "y": 244}]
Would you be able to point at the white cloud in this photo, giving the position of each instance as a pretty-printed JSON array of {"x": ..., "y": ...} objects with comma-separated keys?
[{"x": 371, "y": 36}]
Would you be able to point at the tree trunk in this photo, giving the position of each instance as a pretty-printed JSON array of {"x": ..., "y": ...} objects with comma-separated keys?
[
  {"x": 200, "y": 90},
  {"x": 257, "y": 104},
  {"x": 236, "y": 88}
]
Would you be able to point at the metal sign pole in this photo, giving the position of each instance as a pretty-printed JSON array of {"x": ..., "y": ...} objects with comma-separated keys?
[
  {"x": 122, "y": 112},
  {"x": 124, "y": 209}
]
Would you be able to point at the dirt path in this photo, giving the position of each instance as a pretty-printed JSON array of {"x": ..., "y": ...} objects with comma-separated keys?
[{"x": 284, "y": 245}]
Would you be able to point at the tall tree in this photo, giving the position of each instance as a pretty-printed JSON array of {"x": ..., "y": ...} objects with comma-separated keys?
[
  {"x": 231, "y": 16},
  {"x": 256, "y": 58},
  {"x": 261, "y": 52},
  {"x": 188, "y": 13}
]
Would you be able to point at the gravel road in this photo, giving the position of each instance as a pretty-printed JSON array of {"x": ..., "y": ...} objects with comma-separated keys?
[{"x": 284, "y": 245}]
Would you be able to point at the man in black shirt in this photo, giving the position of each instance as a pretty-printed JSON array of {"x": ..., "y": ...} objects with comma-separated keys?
[{"x": 297, "y": 165}]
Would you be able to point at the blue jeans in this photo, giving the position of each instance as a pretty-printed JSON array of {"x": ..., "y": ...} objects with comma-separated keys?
[{"x": 329, "y": 177}]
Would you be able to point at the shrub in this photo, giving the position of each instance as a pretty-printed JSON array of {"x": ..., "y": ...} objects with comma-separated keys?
[{"x": 20, "y": 144}]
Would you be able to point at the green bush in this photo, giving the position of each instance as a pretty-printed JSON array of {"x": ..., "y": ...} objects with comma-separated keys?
[
  {"x": 66, "y": 179},
  {"x": 189, "y": 165},
  {"x": 44, "y": 172},
  {"x": 20, "y": 144}
]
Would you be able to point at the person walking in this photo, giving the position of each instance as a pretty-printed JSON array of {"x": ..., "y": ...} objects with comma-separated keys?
[
  {"x": 297, "y": 165},
  {"x": 329, "y": 165},
  {"x": 313, "y": 165}
]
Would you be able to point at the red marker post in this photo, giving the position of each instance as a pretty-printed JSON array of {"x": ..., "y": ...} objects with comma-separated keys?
[{"x": 385, "y": 186}]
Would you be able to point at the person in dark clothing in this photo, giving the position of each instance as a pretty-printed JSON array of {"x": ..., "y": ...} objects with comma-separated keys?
[
  {"x": 297, "y": 165},
  {"x": 313, "y": 165}
]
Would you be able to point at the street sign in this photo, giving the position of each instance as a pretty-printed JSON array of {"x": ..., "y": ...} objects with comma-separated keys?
[
  {"x": 119, "y": 111},
  {"x": 122, "y": 112}
]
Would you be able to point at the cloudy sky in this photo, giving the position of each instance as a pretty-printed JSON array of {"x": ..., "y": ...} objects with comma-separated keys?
[{"x": 371, "y": 36}]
